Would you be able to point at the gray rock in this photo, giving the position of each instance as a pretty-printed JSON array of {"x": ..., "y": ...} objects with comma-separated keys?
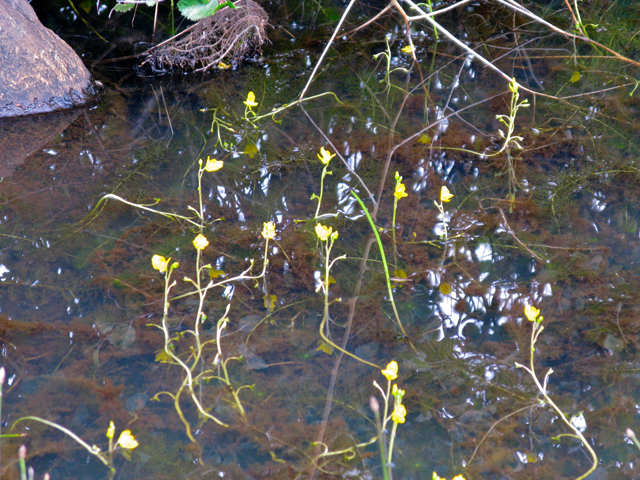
[{"x": 38, "y": 71}]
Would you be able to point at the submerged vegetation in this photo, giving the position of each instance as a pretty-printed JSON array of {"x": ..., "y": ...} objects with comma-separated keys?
[{"x": 249, "y": 253}]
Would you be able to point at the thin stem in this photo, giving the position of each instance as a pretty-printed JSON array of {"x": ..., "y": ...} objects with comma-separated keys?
[
  {"x": 391, "y": 441},
  {"x": 324, "y": 173},
  {"x": 393, "y": 231},
  {"x": 542, "y": 388},
  {"x": 384, "y": 262}
]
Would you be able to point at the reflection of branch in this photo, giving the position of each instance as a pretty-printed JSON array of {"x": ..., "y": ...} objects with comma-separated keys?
[
  {"x": 326, "y": 49},
  {"x": 510, "y": 232},
  {"x": 514, "y": 6},
  {"x": 520, "y": 9}
]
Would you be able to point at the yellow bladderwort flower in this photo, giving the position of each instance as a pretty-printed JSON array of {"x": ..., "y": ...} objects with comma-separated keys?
[
  {"x": 325, "y": 156},
  {"x": 401, "y": 191},
  {"x": 127, "y": 440},
  {"x": 408, "y": 49},
  {"x": 445, "y": 195},
  {"x": 200, "y": 242},
  {"x": 323, "y": 232},
  {"x": 160, "y": 263},
  {"x": 399, "y": 413},
  {"x": 213, "y": 165},
  {"x": 391, "y": 372},
  {"x": 531, "y": 313},
  {"x": 269, "y": 230},
  {"x": 251, "y": 100},
  {"x": 111, "y": 431},
  {"x": 223, "y": 66},
  {"x": 438, "y": 477}
]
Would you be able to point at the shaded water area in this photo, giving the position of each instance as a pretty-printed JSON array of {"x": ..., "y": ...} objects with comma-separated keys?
[{"x": 554, "y": 225}]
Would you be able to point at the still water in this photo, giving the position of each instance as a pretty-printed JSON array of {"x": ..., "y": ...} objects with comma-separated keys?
[{"x": 554, "y": 225}]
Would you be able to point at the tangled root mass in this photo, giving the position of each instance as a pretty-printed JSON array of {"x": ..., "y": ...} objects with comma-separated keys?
[{"x": 229, "y": 36}]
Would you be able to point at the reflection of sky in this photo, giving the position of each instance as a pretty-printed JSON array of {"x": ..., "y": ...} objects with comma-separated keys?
[{"x": 503, "y": 291}]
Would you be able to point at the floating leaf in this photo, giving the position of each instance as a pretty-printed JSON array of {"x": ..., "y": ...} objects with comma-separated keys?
[
  {"x": 251, "y": 150},
  {"x": 124, "y": 7},
  {"x": 270, "y": 302},
  {"x": 163, "y": 357},
  {"x": 136, "y": 402},
  {"x": 613, "y": 343},
  {"x": 215, "y": 273},
  {"x": 248, "y": 323},
  {"x": 445, "y": 288},
  {"x": 86, "y": 6},
  {"x": 195, "y": 10},
  {"x": 400, "y": 273},
  {"x": 254, "y": 361},
  {"x": 325, "y": 347},
  {"x": 425, "y": 139},
  {"x": 575, "y": 77}
]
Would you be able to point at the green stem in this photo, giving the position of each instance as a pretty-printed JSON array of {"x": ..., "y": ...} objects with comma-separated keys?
[
  {"x": 383, "y": 453},
  {"x": 542, "y": 388},
  {"x": 324, "y": 173},
  {"x": 384, "y": 260},
  {"x": 391, "y": 441},
  {"x": 393, "y": 231}
]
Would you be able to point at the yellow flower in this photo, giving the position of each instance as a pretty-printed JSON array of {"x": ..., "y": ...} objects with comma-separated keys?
[
  {"x": 323, "y": 232},
  {"x": 408, "y": 49},
  {"x": 223, "y": 66},
  {"x": 160, "y": 263},
  {"x": 111, "y": 431},
  {"x": 401, "y": 191},
  {"x": 531, "y": 313},
  {"x": 458, "y": 477},
  {"x": 269, "y": 230},
  {"x": 213, "y": 165},
  {"x": 325, "y": 156},
  {"x": 391, "y": 372},
  {"x": 445, "y": 195},
  {"x": 127, "y": 440},
  {"x": 437, "y": 477},
  {"x": 399, "y": 412},
  {"x": 200, "y": 242},
  {"x": 251, "y": 100}
]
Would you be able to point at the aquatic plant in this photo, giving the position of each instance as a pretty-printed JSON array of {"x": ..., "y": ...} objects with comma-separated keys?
[
  {"x": 192, "y": 361},
  {"x": 125, "y": 443},
  {"x": 399, "y": 192},
  {"x": 397, "y": 416},
  {"x": 445, "y": 197},
  {"x": 435, "y": 476},
  {"x": 325, "y": 157},
  {"x": 533, "y": 315},
  {"x": 385, "y": 265}
]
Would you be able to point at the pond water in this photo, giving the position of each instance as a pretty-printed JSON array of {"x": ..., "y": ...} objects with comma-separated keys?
[{"x": 553, "y": 225}]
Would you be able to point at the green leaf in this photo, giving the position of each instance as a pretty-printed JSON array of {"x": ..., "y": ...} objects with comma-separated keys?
[
  {"x": 194, "y": 10},
  {"x": 86, "y": 6},
  {"x": 124, "y": 7}
]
